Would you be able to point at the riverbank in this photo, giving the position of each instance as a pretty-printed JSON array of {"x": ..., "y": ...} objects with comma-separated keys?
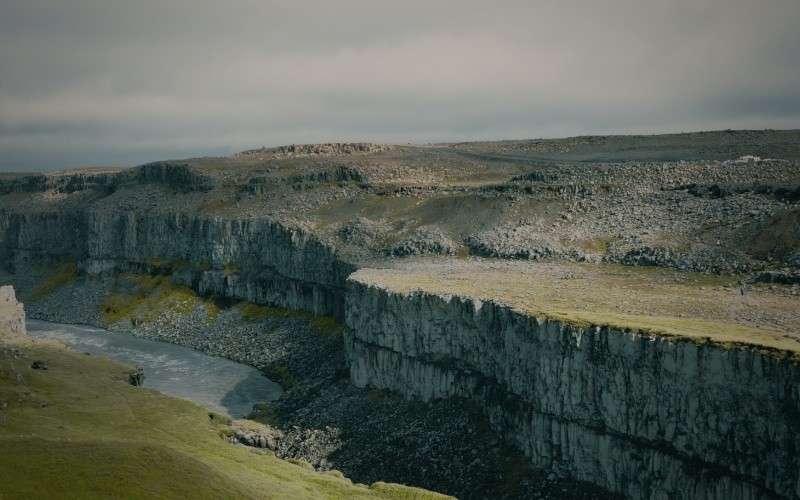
[
  {"x": 78, "y": 429},
  {"x": 216, "y": 383}
]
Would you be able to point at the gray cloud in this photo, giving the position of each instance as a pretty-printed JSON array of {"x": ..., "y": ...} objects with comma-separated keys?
[{"x": 111, "y": 81}]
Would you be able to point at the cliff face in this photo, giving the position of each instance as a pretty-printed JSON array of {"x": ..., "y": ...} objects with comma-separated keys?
[
  {"x": 12, "y": 313},
  {"x": 178, "y": 176},
  {"x": 57, "y": 183},
  {"x": 259, "y": 261},
  {"x": 644, "y": 416}
]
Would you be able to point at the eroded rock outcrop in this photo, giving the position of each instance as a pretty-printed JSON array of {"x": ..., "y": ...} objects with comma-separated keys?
[
  {"x": 322, "y": 149},
  {"x": 642, "y": 415},
  {"x": 12, "y": 313}
]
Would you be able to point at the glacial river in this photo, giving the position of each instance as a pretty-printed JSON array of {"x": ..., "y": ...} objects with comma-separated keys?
[{"x": 216, "y": 383}]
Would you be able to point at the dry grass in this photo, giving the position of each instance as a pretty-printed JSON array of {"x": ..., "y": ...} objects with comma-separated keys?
[
  {"x": 661, "y": 301},
  {"x": 596, "y": 245}
]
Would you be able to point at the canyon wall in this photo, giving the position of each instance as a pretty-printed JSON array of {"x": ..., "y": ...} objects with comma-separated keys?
[
  {"x": 644, "y": 416},
  {"x": 178, "y": 176},
  {"x": 255, "y": 260}
]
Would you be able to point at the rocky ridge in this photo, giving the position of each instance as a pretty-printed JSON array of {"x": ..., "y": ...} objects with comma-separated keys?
[{"x": 323, "y": 149}]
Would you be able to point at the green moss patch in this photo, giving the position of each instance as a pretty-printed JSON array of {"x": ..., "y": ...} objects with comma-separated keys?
[
  {"x": 64, "y": 274},
  {"x": 148, "y": 296},
  {"x": 325, "y": 325}
]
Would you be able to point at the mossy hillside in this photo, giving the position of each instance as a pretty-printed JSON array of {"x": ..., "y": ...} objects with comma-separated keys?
[
  {"x": 459, "y": 215},
  {"x": 78, "y": 430},
  {"x": 141, "y": 298},
  {"x": 63, "y": 274}
]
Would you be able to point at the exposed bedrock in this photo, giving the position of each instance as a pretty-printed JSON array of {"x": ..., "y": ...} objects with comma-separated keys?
[
  {"x": 12, "y": 313},
  {"x": 259, "y": 261},
  {"x": 648, "y": 417},
  {"x": 178, "y": 176}
]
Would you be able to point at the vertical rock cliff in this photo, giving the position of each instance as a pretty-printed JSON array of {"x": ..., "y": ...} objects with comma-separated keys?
[
  {"x": 256, "y": 260},
  {"x": 641, "y": 415}
]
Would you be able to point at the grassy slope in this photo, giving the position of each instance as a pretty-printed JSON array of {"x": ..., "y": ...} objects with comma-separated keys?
[
  {"x": 78, "y": 430},
  {"x": 685, "y": 305}
]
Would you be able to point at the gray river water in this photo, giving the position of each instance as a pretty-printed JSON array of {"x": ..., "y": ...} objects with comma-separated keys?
[{"x": 216, "y": 383}]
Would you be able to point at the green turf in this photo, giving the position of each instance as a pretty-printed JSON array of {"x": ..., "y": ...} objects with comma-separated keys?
[{"x": 78, "y": 430}]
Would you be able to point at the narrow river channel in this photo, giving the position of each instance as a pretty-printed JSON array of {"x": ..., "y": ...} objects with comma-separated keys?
[{"x": 216, "y": 383}]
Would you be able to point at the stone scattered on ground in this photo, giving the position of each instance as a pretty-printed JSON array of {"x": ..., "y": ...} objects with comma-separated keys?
[{"x": 136, "y": 378}]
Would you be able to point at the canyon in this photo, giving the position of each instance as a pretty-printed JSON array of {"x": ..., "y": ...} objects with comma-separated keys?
[{"x": 683, "y": 383}]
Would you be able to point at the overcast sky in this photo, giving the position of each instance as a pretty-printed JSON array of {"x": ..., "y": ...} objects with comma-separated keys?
[{"x": 88, "y": 82}]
